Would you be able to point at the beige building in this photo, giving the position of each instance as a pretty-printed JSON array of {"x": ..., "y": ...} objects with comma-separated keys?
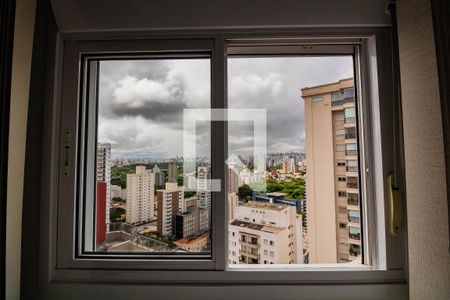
[
  {"x": 193, "y": 245},
  {"x": 332, "y": 182},
  {"x": 140, "y": 196},
  {"x": 265, "y": 233},
  {"x": 170, "y": 201},
  {"x": 233, "y": 202}
]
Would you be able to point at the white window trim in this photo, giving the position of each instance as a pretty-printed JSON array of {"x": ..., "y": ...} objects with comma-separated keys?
[{"x": 62, "y": 267}]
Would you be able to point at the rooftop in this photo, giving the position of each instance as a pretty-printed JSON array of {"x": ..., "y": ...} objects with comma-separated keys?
[
  {"x": 266, "y": 205},
  {"x": 327, "y": 88},
  {"x": 191, "y": 241},
  {"x": 265, "y": 228},
  {"x": 276, "y": 194}
]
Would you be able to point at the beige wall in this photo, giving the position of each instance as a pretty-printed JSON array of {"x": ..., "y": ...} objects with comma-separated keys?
[
  {"x": 320, "y": 181},
  {"x": 23, "y": 42},
  {"x": 428, "y": 244}
]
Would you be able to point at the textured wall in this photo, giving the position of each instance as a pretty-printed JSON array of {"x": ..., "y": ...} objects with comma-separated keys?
[{"x": 429, "y": 259}]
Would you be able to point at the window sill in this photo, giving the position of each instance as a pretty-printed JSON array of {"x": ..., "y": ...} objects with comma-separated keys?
[{"x": 351, "y": 266}]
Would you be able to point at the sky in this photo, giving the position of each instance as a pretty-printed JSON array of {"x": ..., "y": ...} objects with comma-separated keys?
[{"x": 141, "y": 102}]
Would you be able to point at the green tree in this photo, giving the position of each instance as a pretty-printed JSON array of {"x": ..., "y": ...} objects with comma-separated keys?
[
  {"x": 244, "y": 191},
  {"x": 119, "y": 175},
  {"x": 118, "y": 200},
  {"x": 189, "y": 194},
  {"x": 273, "y": 186},
  {"x": 115, "y": 213}
]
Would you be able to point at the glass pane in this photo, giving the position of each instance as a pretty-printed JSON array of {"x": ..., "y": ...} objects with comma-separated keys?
[
  {"x": 301, "y": 214},
  {"x": 142, "y": 203}
]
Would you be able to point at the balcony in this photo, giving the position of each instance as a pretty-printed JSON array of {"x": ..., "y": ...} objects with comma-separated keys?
[
  {"x": 342, "y": 101},
  {"x": 353, "y": 199},
  {"x": 352, "y": 168},
  {"x": 351, "y": 152},
  {"x": 354, "y": 236},
  {"x": 250, "y": 244},
  {"x": 353, "y": 219},
  {"x": 354, "y": 250},
  {"x": 248, "y": 260},
  {"x": 352, "y": 185},
  {"x": 349, "y": 120},
  {"x": 252, "y": 254},
  {"x": 350, "y": 133}
]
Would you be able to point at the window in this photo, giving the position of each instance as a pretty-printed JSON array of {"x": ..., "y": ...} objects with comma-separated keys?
[
  {"x": 288, "y": 165},
  {"x": 350, "y": 149},
  {"x": 353, "y": 216},
  {"x": 350, "y": 133},
  {"x": 355, "y": 250},
  {"x": 342, "y": 225},
  {"x": 352, "y": 182},
  {"x": 353, "y": 199},
  {"x": 350, "y": 116},
  {"x": 342, "y": 194},
  {"x": 354, "y": 233},
  {"x": 340, "y": 163},
  {"x": 352, "y": 166}
]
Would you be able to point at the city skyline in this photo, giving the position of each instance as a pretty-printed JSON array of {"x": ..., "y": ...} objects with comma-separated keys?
[{"x": 141, "y": 102}]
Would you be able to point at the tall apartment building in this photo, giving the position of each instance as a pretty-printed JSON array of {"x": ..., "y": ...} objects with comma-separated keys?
[
  {"x": 104, "y": 174},
  {"x": 265, "y": 233},
  {"x": 285, "y": 165},
  {"x": 332, "y": 173},
  {"x": 170, "y": 201},
  {"x": 291, "y": 167},
  {"x": 233, "y": 180},
  {"x": 159, "y": 175},
  {"x": 172, "y": 172},
  {"x": 233, "y": 202},
  {"x": 204, "y": 188},
  {"x": 140, "y": 196}
]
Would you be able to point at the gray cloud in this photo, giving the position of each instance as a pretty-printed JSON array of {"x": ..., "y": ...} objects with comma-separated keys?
[{"x": 275, "y": 84}]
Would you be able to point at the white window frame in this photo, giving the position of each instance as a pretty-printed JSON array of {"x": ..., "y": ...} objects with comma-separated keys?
[{"x": 386, "y": 261}]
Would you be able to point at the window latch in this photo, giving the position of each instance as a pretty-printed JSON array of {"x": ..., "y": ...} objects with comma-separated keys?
[
  {"x": 395, "y": 206},
  {"x": 67, "y": 145}
]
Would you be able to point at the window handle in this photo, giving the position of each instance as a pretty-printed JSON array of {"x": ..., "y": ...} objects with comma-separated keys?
[
  {"x": 67, "y": 145},
  {"x": 395, "y": 206}
]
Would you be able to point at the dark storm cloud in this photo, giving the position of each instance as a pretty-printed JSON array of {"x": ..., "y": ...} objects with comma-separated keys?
[
  {"x": 142, "y": 102},
  {"x": 141, "y": 105},
  {"x": 168, "y": 114}
]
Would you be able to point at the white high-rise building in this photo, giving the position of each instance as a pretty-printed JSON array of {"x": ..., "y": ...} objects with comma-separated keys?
[
  {"x": 204, "y": 188},
  {"x": 291, "y": 166},
  {"x": 140, "y": 196},
  {"x": 265, "y": 233},
  {"x": 104, "y": 173}
]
